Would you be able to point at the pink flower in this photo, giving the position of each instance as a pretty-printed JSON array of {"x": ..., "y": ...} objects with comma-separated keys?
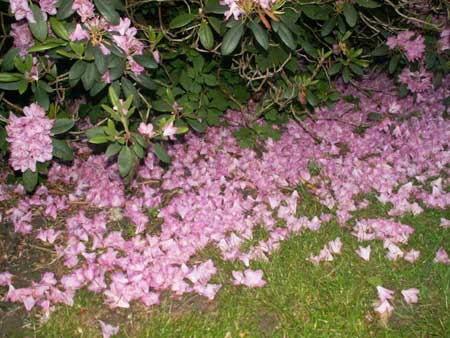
[
  {"x": 108, "y": 330},
  {"x": 441, "y": 256},
  {"x": 416, "y": 82},
  {"x": 233, "y": 9},
  {"x": 5, "y": 278},
  {"x": 48, "y": 6},
  {"x": 410, "y": 295},
  {"x": 444, "y": 41},
  {"x": 105, "y": 77},
  {"x": 250, "y": 278},
  {"x": 146, "y": 129},
  {"x": 169, "y": 130},
  {"x": 384, "y": 308},
  {"x": 156, "y": 56},
  {"x": 335, "y": 246},
  {"x": 29, "y": 137},
  {"x": 84, "y": 8},
  {"x": 413, "y": 48},
  {"x": 384, "y": 294},
  {"x": 21, "y": 10},
  {"x": 79, "y": 34},
  {"x": 135, "y": 67},
  {"x": 412, "y": 255},
  {"x": 364, "y": 253},
  {"x": 48, "y": 235},
  {"x": 445, "y": 223},
  {"x": 22, "y": 37}
]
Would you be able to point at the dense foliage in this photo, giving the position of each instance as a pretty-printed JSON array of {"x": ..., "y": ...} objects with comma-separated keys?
[{"x": 130, "y": 75}]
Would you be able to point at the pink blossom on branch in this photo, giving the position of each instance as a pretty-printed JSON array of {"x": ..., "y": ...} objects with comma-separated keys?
[{"x": 29, "y": 137}]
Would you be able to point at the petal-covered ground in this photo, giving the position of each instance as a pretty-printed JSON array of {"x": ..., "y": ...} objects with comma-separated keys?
[{"x": 131, "y": 244}]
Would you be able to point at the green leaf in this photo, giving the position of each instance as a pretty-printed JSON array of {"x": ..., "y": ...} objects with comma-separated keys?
[
  {"x": 182, "y": 20},
  {"x": 77, "y": 70},
  {"x": 159, "y": 151},
  {"x": 113, "y": 149},
  {"x": 100, "y": 61},
  {"x": 146, "y": 60},
  {"x": 334, "y": 69},
  {"x": 30, "y": 179},
  {"x": 130, "y": 90},
  {"x": 317, "y": 12},
  {"x": 380, "y": 51},
  {"x": 146, "y": 82},
  {"x": 42, "y": 98},
  {"x": 99, "y": 139},
  {"x": 286, "y": 36},
  {"x": 108, "y": 11},
  {"x": 232, "y": 38},
  {"x": 59, "y": 28},
  {"x": 10, "y": 77},
  {"x": 393, "y": 63},
  {"x": 61, "y": 150},
  {"x": 346, "y": 75},
  {"x": 368, "y": 3},
  {"x": 312, "y": 98},
  {"x": 39, "y": 28},
  {"x": 260, "y": 34},
  {"x": 65, "y": 9},
  {"x": 356, "y": 69},
  {"x": 197, "y": 125},
  {"x": 206, "y": 35},
  {"x": 60, "y": 126},
  {"x": 328, "y": 27},
  {"x": 89, "y": 76},
  {"x": 125, "y": 161},
  {"x": 45, "y": 46},
  {"x": 350, "y": 13},
  {"x": 217, "y": 25},
  {"x": 8, "y": 59}
]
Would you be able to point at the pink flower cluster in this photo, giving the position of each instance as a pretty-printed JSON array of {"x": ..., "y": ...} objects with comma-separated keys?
[
  {"x": 236, "y": 8},
  {"x": 29, "y": 138},
  {"x": 411, "y": 43}
]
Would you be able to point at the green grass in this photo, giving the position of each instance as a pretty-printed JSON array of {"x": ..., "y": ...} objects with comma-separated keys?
[{"x": 299, "y": 300}]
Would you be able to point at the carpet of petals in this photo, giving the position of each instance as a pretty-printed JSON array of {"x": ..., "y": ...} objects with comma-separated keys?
[{"x": 221, "y": 192}]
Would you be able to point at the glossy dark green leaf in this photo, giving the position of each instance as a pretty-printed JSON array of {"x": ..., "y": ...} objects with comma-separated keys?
[
  {"x": 65, "y": 9},
  {"x": 42, "y": 98},
  {"x": 10, "y": 77},
  {"x": 30, "y": 180},
  {"x": 60, "y": 126},
  {"x": 77, "y": 70},
  {"x": 39, "y": 27},
  {"x": 393, "y": 63},
  {"x": 108, "y": 11},
  {"x": 197, "y": 125},
  {"x": 232, "y": 38},
  {"x": 351, "y": 14},
  {"x": 113, "y": 149},
  {"x": 61, "y": 150},
  {"x": 89, "y": 76},
  {"x": 368, "y": 3},
  {"x": 380, "y": 51},
  {"x": 182, "y": 20},
  {"x": 146, "y": 60},
  {"x": 328, "y": 27},
  {"x": 59, "y": 28},
  {"x": 206, "y": 35},
  {"x": 8, "y": 59},
  {"x": 125, "y": 161},
  {"x": 286, "y": 36},
  {"x": 260, "y": 34},
  {"x": 160, "y": 152}
]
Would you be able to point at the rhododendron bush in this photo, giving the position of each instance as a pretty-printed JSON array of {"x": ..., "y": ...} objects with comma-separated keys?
[
  {"x": 146, "y": 72},
  {"x": 203, "y": 117}
]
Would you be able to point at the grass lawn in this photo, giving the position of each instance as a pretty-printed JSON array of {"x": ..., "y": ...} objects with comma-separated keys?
[{"x": 299, "y": 300}]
